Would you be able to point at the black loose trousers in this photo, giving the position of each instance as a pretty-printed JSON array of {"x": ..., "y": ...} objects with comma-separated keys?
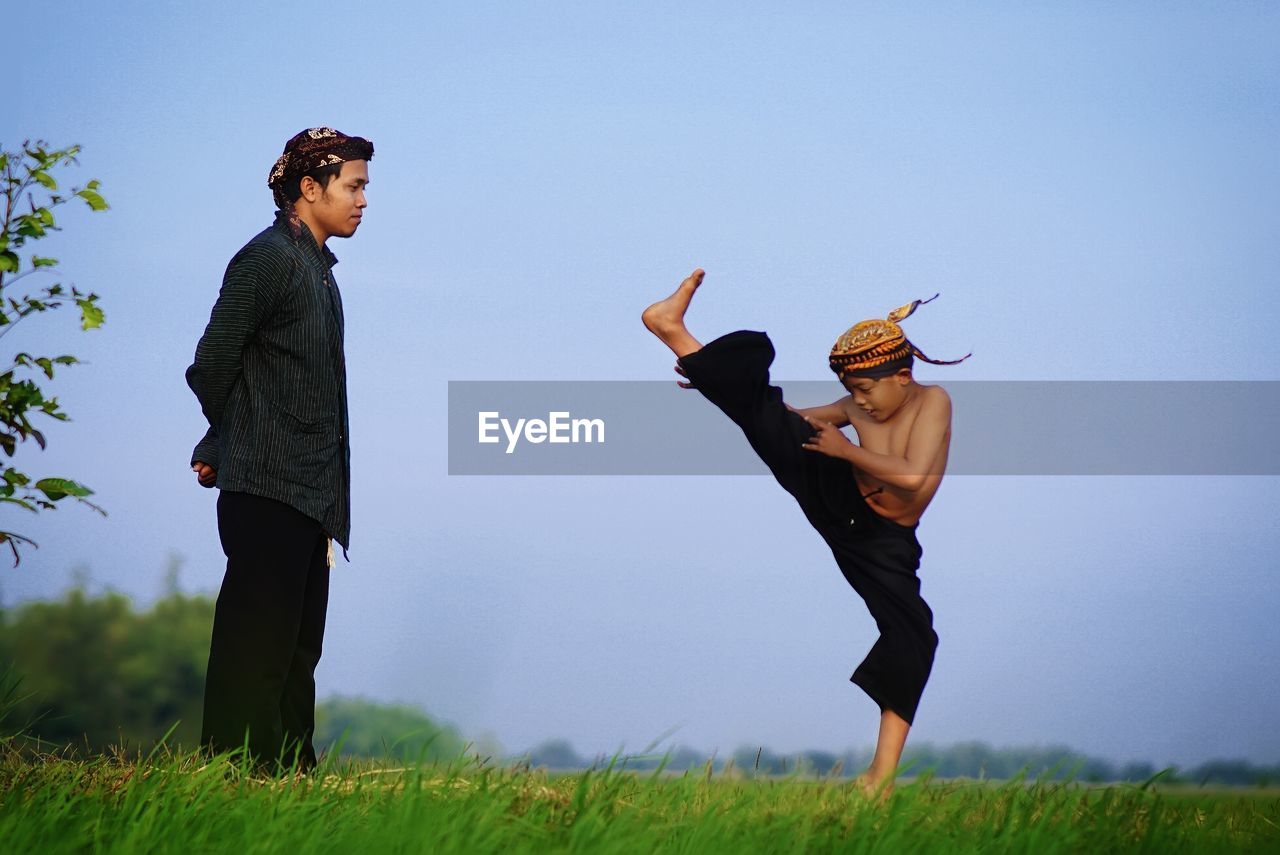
[
  {"x": 878, "y": 557},
  {"x": 268, "y": 630}
]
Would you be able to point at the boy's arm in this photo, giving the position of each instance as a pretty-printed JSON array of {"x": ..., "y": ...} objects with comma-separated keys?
[
  {"x": 833, "y": 413},
  {"x": 905, "y": 473},
  {"x": 251, "y": 289}
]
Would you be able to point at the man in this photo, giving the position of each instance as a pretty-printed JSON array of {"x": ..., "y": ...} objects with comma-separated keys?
[
  {"x": 271, "y": 379},
  {"x": 865, "y": 500}
]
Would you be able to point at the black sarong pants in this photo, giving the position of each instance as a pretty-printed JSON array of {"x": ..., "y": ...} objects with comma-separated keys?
[
  {"x": 877, "y": 556},
  {"x": 268, "y": 627}
]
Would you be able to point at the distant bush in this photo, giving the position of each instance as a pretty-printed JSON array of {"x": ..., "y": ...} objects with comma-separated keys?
[
  {"x": 383, "y": 731},
  {"x": 959, "y": 760},
  {"x": 555, "y": 754},
  {"x": 93, "y": 672}
]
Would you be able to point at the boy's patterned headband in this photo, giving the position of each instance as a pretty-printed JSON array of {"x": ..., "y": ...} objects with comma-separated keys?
[{"x": 877, "y": 347}]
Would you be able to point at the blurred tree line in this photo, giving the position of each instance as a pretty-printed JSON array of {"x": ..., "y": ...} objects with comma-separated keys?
[
  {"x": 95, "y": 672},
  {"x": 961, "y": 760}
]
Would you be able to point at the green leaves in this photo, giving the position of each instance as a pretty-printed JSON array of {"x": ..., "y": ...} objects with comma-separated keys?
[
  {"x": 21, "y": 503},
  {"x": 60, "y": 488},
  {"x": 91, "y": 315},
  {"x": 96, "y": 202},
  {"x": 90, "y": 194},
  {"x": 44, "y": 363},
  {"x": 25, "y": 176},
  {"x": 24, "y": 171}
]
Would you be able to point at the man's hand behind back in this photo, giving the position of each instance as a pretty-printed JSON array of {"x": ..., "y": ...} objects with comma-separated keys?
[{"x": 205, "y": 473}]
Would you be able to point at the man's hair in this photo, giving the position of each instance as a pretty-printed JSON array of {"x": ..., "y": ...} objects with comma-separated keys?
[{"x": 322, "y": 174}]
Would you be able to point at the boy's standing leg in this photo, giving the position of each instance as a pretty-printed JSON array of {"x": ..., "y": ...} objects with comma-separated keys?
[{"x": 890, "y": 741}]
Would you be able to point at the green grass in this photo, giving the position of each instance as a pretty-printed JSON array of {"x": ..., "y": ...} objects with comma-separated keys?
[{"x": 184, "y": 804}]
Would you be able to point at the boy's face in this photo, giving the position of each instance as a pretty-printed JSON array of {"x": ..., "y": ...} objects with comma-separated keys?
[{"x": 879, "y": 397}]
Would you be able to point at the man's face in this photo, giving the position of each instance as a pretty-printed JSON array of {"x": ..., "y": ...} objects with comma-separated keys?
[
  {"x": 879, "y": 397},
  {"x": 340, "y": 205}
]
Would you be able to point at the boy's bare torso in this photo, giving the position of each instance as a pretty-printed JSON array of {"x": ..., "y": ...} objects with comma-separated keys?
[{"x": 891, "y": 437}]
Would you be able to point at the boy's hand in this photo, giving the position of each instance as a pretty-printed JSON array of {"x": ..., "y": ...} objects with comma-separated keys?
[
  {"x": 205, "y": 473},
  {"x": 828, "y": 440}
]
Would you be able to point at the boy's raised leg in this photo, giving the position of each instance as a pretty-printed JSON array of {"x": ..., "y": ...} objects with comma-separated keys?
[{"x": 665, "y": 318}]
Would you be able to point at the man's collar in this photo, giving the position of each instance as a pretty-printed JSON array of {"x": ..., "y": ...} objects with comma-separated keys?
[{"x": 307, "y": 240}]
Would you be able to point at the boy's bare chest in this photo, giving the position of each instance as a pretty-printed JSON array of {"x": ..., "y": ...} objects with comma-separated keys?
[
  {"x": 892, "y": 438},
  {"x": 884, "y": 437}
]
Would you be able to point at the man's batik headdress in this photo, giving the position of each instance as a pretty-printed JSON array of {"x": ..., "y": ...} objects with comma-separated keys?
[
  {"x": 876, "y": 348},
  {"x": 307, "y": 151}
]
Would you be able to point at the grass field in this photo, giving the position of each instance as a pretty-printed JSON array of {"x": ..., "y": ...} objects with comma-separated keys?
[{"x": 181, "y": 804}]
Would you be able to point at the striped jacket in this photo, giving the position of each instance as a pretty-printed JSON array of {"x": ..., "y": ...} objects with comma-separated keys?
[{"x": 271, "y": 379}]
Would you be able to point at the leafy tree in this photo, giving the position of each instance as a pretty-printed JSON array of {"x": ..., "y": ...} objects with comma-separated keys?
[
  {"x": 683, "y": 757},
  {"x": 23, "y": 174},
  {"x": 96, "y": 672},
  {"x": 818, "y": 762},
  {"x": 363, "y": 728},
  {"x": 556, "y": 754}
]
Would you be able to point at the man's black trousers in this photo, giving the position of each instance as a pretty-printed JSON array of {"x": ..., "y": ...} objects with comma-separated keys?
[{"x": 268, "y": 626}]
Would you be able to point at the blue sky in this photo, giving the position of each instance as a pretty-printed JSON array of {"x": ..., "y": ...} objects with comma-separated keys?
[{"x": 1093, "y": 190}]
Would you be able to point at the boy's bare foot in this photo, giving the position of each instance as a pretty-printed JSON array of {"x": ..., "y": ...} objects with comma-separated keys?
[
  {"x": 667, "y": 316},
  {"x": 872, "y": 787}
]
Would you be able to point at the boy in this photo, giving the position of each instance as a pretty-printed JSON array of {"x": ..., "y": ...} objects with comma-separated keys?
[{"x": 865, "y": 500}]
